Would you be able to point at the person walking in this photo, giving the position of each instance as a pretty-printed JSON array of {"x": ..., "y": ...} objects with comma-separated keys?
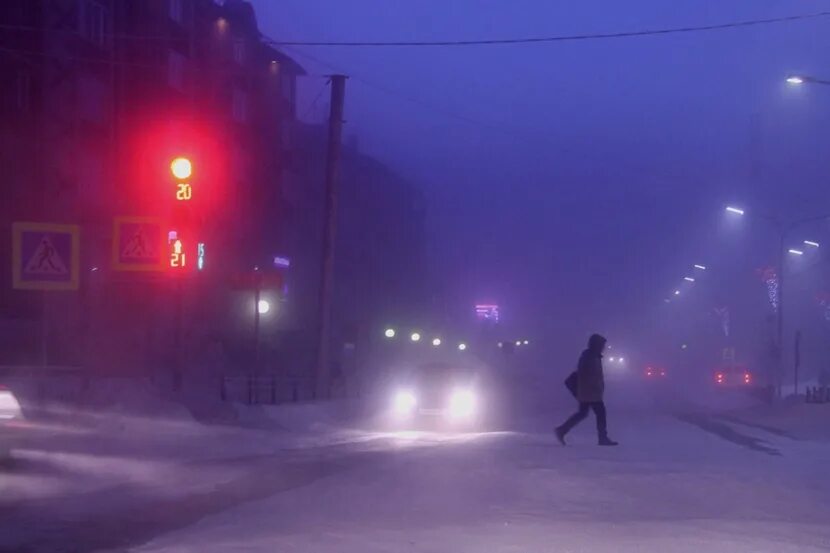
[{"x": 590, "y": 389}]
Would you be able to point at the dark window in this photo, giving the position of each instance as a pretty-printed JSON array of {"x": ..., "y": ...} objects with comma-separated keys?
[
  {"x": 94, "y": 22},
  {"x": 23, "y": 91},
  {"x": 177, "y": 10}
]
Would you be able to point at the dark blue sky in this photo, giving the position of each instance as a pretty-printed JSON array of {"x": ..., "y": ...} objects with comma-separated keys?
[{"x": 598, "y": 169}]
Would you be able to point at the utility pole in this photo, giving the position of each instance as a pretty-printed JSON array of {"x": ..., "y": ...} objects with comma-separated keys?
[
  {"x": 322, "y": 376},
  {"x": 797, "y": 363},
  {"x": 779, "y": 322}
]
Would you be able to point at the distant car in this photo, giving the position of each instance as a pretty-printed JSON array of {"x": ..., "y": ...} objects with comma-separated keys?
[
  {"x": 654, "y": 374},
  {"x": 10, "y": 418},
  {"x": 733, "y": 377},
  {"x": 440, "y": 393}
]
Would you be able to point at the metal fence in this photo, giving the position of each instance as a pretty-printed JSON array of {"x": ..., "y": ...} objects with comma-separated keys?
[
  {"x": 817, "y": 394},
  {"x": 265, "y": 389}
]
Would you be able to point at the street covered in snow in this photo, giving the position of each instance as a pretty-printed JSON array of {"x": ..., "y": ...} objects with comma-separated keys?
[{"x": 320, "y": 478}]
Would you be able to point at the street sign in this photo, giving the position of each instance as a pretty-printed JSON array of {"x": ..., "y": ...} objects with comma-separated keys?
[
  {"x": 138, "y": 244},
  {"x": 45, "y": 256}
]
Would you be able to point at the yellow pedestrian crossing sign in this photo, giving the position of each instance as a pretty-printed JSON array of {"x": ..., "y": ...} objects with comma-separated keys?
[
  {"x": 45, "y": 256},
  {"x": 138, "y": 244}
]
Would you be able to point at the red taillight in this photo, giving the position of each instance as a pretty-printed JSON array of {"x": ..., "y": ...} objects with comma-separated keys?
[
  {"x": 719, "y": 378},
  {"x": 649, "y": 372},
  {"x": 747, "y": 378}
]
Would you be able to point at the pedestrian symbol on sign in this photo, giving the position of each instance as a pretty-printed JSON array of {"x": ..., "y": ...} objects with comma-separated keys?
[
  {"x": 46, "y": 260},
  {"x": 137, "y": 247},
  {"x": 138, "y": 244},
  {"x": 45, "y": 256}
]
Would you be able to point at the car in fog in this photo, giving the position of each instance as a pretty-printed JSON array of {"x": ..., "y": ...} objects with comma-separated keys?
[
  {"x": 439, "y": 394},
  {"x": 10, "y": 418},
  {"x": 654, "y": 374},
  {"x": 733, "y": 377}
]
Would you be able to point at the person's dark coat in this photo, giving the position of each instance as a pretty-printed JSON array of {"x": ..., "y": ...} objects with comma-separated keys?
[{"x": 591, "y": 382}]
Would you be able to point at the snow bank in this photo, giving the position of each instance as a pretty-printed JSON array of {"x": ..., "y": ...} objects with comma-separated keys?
[{"x": 300, "y": 417}]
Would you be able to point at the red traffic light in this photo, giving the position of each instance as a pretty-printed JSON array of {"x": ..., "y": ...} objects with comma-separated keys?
[{"x": 181, "y": 168}]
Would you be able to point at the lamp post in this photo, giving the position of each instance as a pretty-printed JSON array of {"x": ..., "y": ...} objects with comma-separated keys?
[{"x": 783, "y": 229}]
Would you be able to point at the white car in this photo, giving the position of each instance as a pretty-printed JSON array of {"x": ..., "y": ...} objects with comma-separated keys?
[
  {"x": 437, "y": 392},
  {"x": 10, "y": 418}
]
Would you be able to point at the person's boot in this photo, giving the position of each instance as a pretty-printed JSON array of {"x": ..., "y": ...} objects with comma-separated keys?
[
  {"x": 560, "y": 435},
  {"x": 605, "y": 440}
]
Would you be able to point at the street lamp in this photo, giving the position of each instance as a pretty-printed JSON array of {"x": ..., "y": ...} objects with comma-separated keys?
[
  {"x": 784, "y": 229},
  {"x": 389, "y": 333},
  {"x": 436, "y": 342},
  {"x": 797, "y": 80},
  {"x": 700, "y": 267},
  {"x": 415, "y": 337},
  {"x": 462, "y": 346},
  {"x": 811, "y": 243},
  {"x": 263, "y": 307}
]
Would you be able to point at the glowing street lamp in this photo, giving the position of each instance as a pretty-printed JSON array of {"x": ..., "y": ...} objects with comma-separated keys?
[
  {"x": 436, "y": 342},
  {"x": 700, "y": 267},
  {"x": 389, "y": 333},
  {"x": 735, "y": 210},
  {"x": 811, "y": 243},
  {"x": 415, "y": 337},
  {"x": 689, "y": 279},
  {"x": 263, "y": 307},
  {"x": 795, "y": 79},
  {"x": 462, "y": 346},
  {"x": 795, "y": 251}
]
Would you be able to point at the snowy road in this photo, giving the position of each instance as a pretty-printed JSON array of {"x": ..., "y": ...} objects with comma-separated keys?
[{"x": 680, "y": 482}]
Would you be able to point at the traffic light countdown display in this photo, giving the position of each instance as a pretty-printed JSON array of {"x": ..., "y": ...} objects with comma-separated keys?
[{"x": 182, "y": 170}]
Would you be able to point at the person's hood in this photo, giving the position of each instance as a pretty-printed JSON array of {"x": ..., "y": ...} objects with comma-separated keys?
[{"x": 596, "y": 343}]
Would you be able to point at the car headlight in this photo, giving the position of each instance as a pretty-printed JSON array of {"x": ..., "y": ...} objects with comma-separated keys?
[
  {"x": 404, "y": 402},
  {"x": 462, "y": 404}
]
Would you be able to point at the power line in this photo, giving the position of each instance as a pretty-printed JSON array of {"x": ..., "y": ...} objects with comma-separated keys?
[
  {"x": 316, "y": 99},
  {"x": 564, "y": 38},
  {"x": 391, "y": 92}
]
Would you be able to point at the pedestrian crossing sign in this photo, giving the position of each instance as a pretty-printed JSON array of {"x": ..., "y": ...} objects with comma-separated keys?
[
  {"x": 138, "y": 244},
  {"x": 45, "y": 256}
]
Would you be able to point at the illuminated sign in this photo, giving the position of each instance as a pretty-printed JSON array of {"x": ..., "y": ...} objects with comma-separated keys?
[
  {"x": 200, "y": 255},
  {"x": 282, "y": 262},
  {"x": 178, "y": 259},
  {"x": 487, "y": 312}
]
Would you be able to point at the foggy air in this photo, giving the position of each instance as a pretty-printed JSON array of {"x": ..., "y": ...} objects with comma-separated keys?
[{"x": 324, "y": 276}]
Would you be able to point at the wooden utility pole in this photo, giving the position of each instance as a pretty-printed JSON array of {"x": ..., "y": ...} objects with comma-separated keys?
[{"x": 322, "y": 378}]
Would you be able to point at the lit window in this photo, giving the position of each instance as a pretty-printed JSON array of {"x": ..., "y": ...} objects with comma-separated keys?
[
  {"x": 239, "y": 51},
  {"x": 176, "y": 11},
  {"x": 175, "y": 70},
  {"x": 239, "y": 107},
  {"x": 93, "y": 22}
]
